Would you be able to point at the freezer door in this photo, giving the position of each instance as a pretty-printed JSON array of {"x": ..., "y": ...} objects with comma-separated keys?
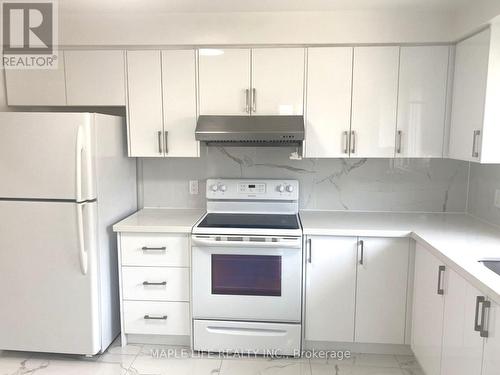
[
  {"x": 48, "y": 281},
  {"x": 46, "y": 156}
]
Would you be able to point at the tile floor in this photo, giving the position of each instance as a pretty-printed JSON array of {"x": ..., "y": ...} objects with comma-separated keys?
[{"x": 138, "y": 360}]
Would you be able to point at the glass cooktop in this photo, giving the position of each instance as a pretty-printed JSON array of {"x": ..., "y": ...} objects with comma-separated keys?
[{"x": 250, "y": 221}]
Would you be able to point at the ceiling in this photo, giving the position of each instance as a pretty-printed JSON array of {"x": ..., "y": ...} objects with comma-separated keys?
[{"x": 147, "y": 6}]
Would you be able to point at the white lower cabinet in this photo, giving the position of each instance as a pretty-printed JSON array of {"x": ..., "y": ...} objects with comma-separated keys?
[
  {"x": 428, "y": 309},
  {"x": 381, "y": 290},
  {"x": 330, "y": 289},
  {"x": 462, "y": 344},
  {"x": 154, "y": 284},
  {"x": 351, "y": 302},
  {"x": 491, "y": 353}
]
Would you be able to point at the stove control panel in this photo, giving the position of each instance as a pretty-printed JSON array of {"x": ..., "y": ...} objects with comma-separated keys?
[{"x": 229, "y": 189}]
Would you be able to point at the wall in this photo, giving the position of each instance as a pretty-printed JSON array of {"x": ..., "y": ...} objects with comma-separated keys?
[
  {"x": 484, "y": 180},
  {"x": 421, "y": 185}
]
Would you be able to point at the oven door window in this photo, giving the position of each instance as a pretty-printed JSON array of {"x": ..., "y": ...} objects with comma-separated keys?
[{"x": 247, "y": 275}]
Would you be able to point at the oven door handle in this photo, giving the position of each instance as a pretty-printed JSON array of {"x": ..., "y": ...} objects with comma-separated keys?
[{"x": 289, "y": 243}]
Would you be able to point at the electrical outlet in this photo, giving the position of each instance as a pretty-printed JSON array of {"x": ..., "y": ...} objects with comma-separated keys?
[
  {"x": 497, "y": 198},
  {"x": 193, "y": 187}
]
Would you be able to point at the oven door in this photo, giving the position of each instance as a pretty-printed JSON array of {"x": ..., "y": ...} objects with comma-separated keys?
[{"x": 247, "y": 278}]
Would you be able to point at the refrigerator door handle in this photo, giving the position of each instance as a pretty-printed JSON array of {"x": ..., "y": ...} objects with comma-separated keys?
[
  {"x": 79, "y": 152},
  {"x": 83, "y": 254}
]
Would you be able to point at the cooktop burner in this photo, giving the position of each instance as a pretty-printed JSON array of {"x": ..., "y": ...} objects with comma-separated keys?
[{"x": 250, "y": 221}]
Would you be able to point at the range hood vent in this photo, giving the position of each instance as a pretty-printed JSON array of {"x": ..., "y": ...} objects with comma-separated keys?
[{"x": 250, "y": 130}]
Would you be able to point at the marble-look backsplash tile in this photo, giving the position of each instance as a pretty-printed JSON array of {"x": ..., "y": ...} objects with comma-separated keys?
[
  {"x": 484, "y": 180},
  {"x": 428, "y": 185}
]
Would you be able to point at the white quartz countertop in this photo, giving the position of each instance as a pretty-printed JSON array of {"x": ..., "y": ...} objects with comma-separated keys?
[
  {"x": 160, "y": 220},
  {"x": 459, "y": 240}
]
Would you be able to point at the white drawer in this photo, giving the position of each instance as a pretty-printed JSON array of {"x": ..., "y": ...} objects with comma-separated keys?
[
  {"x": 155, "y": 283},
  {"x": 139, "y": 249},
  {"x": 172, "y": 318}
]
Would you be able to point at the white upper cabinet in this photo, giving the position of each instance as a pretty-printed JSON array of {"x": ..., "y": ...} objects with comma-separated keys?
[
  {"x": 145, "y": 116},
  {"x": 330, "y": 289},
  {"x": 277, "y": 81},
  {"x": 462, "y": 344},
  {"x": 469, "y": 93},
  {"x": 328, "y": 111},
  {"x": 374, "y": 102},
  {"x": 95, "y": 77},
  {"x": 224, "y": 79},
  {"x": 428, "y": 309},
  {"x": 380, "y": 309},
  {"x": 423, "y": 76},
  {"x": 179, "y": 103},
  {"x": 36, "y": 86}
]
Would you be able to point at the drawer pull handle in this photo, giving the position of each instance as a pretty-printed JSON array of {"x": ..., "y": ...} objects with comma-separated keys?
[
  {"x": 149, "y": 283},
  {"x": 152, "y": 317},
  {"x": 146, "y": 248}
]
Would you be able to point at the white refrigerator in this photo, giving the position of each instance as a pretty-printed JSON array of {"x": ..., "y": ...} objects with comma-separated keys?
[{"x": 65, "y": 178}]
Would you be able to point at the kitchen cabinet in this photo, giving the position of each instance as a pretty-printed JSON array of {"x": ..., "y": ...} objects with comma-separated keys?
[
  {"x": 382, "y": 282},
  {"x": 475, "y": 110},
  {"x": 261, "y": 81},
  {"x": 161, "y": 90},
  {"x": 328, "y": 109},
  {"x": 491, "y": 359},
  {"x": 144, "y": 107},
  {"x": 95, "y": 77},
  {"x": 423, "y": 82},
  {"x": 330, "y": 288},
  {"x": 36, "y": 87},
  {"x": 224, "y": 79},
  {"x": 277, "y": 81},
  {"x": 179, "y": 103},
  {"x": 462, "y": 345},
  {"x": 374, "y": 102},
  {"x": 428, "y": 310}
]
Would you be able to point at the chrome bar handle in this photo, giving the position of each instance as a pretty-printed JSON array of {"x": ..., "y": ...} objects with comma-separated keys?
[
  {"x": 484, "y": 331},
  {"x": 361, "y": 246},
  {"x": 400, "y": 142},
  {"x": 254, "y": 100},
  {"x": 160, "y": 150},
  {"x": 440, "y": 289},
  {"x": 151, "y": 317},
  {"x": 146, "y": 248},
  {"x": 149, "y": 283},
  {"x": 475, "y": 152},
  {"x": 477, "y": 326},
  {"x": 345, "y": 135},
  {"x": 353, "y": 142},
  {"x": 166, "y": 142},
  {"x": 247, "y": 101},
  {"x": 309, "y": 249}
]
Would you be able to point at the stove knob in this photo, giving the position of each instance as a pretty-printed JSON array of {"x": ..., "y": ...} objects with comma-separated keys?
[
  {"x": 214, "y": 187},
  {"x": 281, "y": 188},
  {"x": 289, "y": 188},
  {"x": 222, "y": 187}
]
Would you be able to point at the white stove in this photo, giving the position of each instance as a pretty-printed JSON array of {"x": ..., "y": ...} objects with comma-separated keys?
[{"x": 247, "y": 268}]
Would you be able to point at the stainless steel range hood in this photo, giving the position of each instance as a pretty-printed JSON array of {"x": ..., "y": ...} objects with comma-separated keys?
[{"x": 250, "y": 130}]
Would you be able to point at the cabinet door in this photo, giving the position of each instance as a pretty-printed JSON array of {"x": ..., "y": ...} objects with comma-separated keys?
[
  {"x": 95, "y": 77},
  {"x": 374, "y": 101},
  {"x": 330, "y": 289},
  {"x": 423, "y": 76},
  {"x": 380, "y": 309},
  {"x": 491, "y": 359},
  {"x": 278, "y": 81},
  {"x": 224, "y": 78},
  {"x": 179, "y": 102},
  {"x": 469, "y": 93},
  {"x": 462, "y": 345},
  {"x": 145, "y": 118},
  {"x": 36, "y": 86},
  {"x": 328, "y": 112},
  {"x": 428, "y": 308}
]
